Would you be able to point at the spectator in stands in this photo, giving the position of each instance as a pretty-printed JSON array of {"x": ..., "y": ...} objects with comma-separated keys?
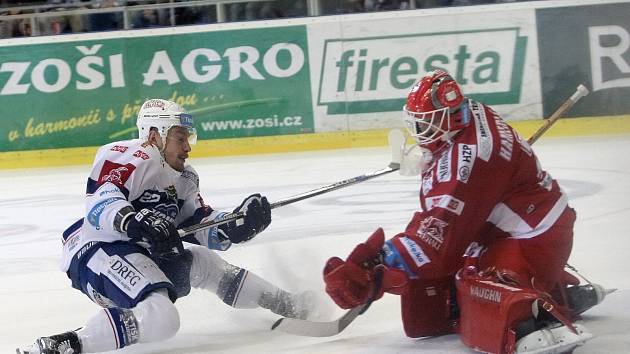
[
  {"x": 266, "y": 10},
  {"x": 243, "y": 11},
  {"x": 234, "y": 12},
  {"x": 427, "y": 4},
  {"x": 383, "y": 5},
  {"x": 107, "y": 21},
  {"x": 6, "y": 26},
  {"x": 269, "y": 10},
  {"x": 471, "y": 2},
  {"x": 332, "y": 7},
  {"x": 190, "y": 15},
  {"x": 146, "y": 18},
  {"x": 57, "y": 24},
  {"x": 16, "y": 28},
  {"x": 23, "y": 28},
  {"x": 76, "y": 23},
  {"x": 294, "y": 8}
]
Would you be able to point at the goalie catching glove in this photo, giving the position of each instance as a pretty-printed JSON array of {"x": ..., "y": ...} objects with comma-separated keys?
[
  {"x": 257, "y": 216},
  {"x": 354, "y": 282},
  {"x": 414, "y": 160}
]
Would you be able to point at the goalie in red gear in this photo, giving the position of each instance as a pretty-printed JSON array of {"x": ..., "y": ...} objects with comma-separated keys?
[{"x": 482, "y": 185}]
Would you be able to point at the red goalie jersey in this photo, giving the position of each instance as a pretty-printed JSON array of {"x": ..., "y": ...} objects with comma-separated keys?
[
  {"x": 489, "y": 242},
  {"x": 484, "y": 184}
]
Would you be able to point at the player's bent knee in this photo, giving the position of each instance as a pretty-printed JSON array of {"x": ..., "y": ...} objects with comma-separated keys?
[{"x": 157, "y": 318}]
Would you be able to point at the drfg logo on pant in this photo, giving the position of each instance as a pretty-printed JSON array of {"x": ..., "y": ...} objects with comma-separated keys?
[
  {"x": 374, "y": 74},
  {"x": 610, "y": 56}
]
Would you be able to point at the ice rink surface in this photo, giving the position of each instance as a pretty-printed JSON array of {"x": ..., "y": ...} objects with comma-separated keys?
[{"x": 37, "y": 205}]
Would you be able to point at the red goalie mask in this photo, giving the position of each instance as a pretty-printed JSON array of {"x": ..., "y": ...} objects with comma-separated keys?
[{"x": 433, "y": 108}]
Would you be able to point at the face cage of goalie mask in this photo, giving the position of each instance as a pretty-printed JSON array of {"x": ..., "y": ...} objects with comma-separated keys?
[{"x": 422, "y": 125}]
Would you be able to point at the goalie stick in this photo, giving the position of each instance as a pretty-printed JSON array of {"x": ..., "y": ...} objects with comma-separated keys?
[
  {"x": 329, "y": 328},
  {"x": 319, "y": 329},
  {"x": 334, "y": 327},
  {"x": 580, "y": 92},
  {"x": 396, "y": 139}
]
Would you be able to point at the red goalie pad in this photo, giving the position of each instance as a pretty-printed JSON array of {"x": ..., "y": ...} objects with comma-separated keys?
[
  {"x": 427, "y": 307},
  {"x": 490, "y": 311}
]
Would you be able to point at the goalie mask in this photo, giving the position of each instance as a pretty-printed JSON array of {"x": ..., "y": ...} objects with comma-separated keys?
[
  {"x": 163, "y": 115},
  {"x": 433, "y": 109}
]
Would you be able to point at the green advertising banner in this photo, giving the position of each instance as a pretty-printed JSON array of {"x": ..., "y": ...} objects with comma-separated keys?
[
  {"x": 363, "y": 67},
  {"x": 236, "y": 83},
  {"x": 590, "y": 45}
]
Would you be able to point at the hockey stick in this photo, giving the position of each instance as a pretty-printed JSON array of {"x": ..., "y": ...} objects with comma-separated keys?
[
  {"x": 395, "y": 138},
  {"x": 319, "y": 329},
  {"x": 328, "y": 328},
  {"x": 289, "y": 200},
  {"x": 580, "y": 92},
  {"x": 331, "y": 328}
]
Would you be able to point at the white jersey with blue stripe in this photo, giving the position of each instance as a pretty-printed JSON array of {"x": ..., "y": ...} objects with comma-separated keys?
[{"x": 133, "y": 173}]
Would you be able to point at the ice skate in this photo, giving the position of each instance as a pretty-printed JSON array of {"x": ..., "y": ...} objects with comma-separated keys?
[
  {"x": 553, "y": 339},
  {"x": 546, "y": 335},
  {"x": 583, "y": 297},
  {"x": 289, "y": 305},
  {"x": 65, "y": 343}
]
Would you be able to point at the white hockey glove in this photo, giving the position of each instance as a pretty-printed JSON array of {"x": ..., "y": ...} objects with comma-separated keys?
[{"x": 414, "y": 161}]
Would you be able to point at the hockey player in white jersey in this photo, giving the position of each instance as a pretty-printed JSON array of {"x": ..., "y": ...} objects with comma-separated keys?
[{"x": 125, "y": 253}]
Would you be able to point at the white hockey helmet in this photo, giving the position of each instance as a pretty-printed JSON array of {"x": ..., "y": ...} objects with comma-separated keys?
[{"x": 163, "y": 115}]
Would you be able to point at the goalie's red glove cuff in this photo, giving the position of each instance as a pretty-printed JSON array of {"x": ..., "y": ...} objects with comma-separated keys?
[
  {"x": 346, "y": 283},
  {"x": 354, "y": 282}
]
